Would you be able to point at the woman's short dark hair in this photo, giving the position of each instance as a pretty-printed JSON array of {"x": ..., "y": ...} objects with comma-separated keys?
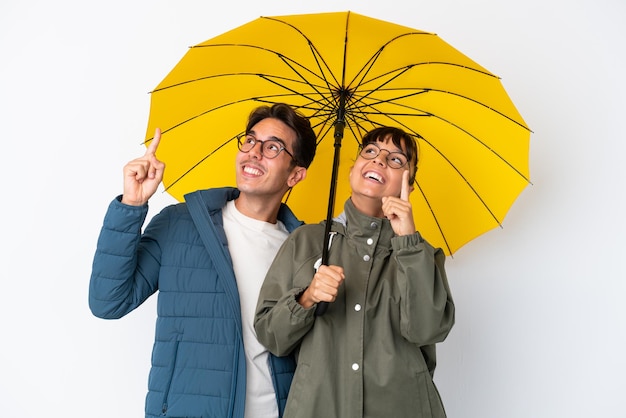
[
  {"x": 306, "y": 140},
  {"x": 397, "y": 136}
]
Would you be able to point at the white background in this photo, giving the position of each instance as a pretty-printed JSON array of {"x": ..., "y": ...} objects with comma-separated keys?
[{"x": 540, "y": 303}]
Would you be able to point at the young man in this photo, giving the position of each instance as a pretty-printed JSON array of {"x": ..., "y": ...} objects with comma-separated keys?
[
  {"x": 372, "y": 354},
  {"x": 207, "y": 257}
]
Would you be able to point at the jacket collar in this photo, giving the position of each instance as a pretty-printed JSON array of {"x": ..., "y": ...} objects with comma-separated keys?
[
  {"x": 353, "y": 223},
  {"x": 215, "y": 199}
]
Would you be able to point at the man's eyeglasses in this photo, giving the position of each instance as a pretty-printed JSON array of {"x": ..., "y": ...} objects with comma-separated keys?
[
  {"x": 394, "y": 159},
  {"x": 269, "y": 148}
]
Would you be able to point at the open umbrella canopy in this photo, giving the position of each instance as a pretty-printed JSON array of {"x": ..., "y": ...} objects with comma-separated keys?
[{"x": 348, "y": 70}]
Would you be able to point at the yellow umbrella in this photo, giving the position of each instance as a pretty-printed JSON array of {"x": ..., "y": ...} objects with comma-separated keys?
[{"x": 349, "y": 73}]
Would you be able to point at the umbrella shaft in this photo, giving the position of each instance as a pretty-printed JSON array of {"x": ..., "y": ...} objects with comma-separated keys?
[{"x": 339, "y": 127}]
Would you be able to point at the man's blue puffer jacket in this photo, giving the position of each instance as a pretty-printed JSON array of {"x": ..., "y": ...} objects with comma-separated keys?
[{"x": 198, "y": 361}]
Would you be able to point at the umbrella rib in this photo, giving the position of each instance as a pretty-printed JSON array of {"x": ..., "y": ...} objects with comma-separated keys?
[
  {"x": 223, "y": 105},
  {"x": 278, "y": 54},
  {"x": 319, "y": 58},
  {"x": 432, "y": 212},
  {"x": 316, "y": 52},
  {"x": 400, "y": 71},
  {"x": 469, "y": 184},
  {"x": 259, "y": 99},
  {"x": 292, "y": 64},
  {"x": 362, "y": 129},
  {"x": 263, "y": 99},
  {"x": 198, "y": 163},
  {"x": 443, "y": 236},
  {"x": 321, "y": 64},
  {"x": 369, "y": 64},
  {"x": 477, "y": 139},
  {"x": 460, "y": 174},
  {"x": 322, "y": 103},
  {"x": 327, "y": 101},
  {"x": 226, "y": 75},
  {"x": 362, "y": 113},
  {"x": 408, "y": 128},
  {"x": 422, "y": 90}
]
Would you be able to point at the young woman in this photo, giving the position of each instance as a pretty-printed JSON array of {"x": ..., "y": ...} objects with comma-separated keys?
[{"x": 372, "y": 354}]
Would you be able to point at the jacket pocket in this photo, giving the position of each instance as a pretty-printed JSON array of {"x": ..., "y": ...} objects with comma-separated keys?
[
  {"x": 170, "y": 378},
  {"x": 297, "y": 394},
  {"x": 428, "y": 397}
]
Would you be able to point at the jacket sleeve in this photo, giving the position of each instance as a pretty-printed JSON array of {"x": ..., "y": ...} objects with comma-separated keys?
[
  {"x": 126, "y": 266},
  {"x": 280, "y": 321},
  {"x": 426, "y": 305}
]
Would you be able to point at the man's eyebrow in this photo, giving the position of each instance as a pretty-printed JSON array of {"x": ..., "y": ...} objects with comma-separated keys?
[{"x": 279, "y": 140}]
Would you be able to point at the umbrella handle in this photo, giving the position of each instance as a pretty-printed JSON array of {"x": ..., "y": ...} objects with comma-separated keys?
[
  {"x": 321, "y": 309},
  {"x": 323, "y": 306}
]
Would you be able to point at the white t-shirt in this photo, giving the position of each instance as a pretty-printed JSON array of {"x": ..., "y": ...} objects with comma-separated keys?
[{"x": 253, "y": 244}]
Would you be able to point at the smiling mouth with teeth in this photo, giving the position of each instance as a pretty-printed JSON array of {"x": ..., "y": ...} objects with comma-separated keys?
[
  {"x": 373, "y": 176},
  {"x": 251, "y": 170}
]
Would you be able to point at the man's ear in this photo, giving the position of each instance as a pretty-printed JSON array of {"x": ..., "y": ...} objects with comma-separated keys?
[{"x": 297, "y": 175}]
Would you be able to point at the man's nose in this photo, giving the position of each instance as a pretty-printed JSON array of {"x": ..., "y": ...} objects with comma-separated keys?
[{"x": 257, "y": 151}]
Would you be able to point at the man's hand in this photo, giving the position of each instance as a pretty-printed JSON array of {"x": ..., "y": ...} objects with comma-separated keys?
[{"x": 143, "y": 175}]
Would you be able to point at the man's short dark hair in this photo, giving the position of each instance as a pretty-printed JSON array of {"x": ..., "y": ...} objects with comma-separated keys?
[{"x": 306, "y": 141}]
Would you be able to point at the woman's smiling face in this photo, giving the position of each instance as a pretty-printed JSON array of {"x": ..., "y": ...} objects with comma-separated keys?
[{"x": 373, "y": 179}]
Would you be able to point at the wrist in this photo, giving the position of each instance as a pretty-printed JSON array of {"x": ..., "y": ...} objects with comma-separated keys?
[
  {"x": 304, "y": 299},
  {"x": 128, "y": 202}
]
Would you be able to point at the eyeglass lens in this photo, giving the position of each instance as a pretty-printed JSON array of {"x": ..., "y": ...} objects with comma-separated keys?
[
  {"x": 394, "y": 159},
  {"x": 269, "y": 148}
]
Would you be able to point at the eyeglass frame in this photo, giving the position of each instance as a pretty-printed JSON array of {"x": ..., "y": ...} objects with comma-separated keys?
[
  {"x": 281, "y": 146},
  {"x": 387, "y": 158}
]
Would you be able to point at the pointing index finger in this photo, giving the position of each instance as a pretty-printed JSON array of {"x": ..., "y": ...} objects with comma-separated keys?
[
  {"x": 404, "y": 192},
  {"x": 154, "y": 144}
]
